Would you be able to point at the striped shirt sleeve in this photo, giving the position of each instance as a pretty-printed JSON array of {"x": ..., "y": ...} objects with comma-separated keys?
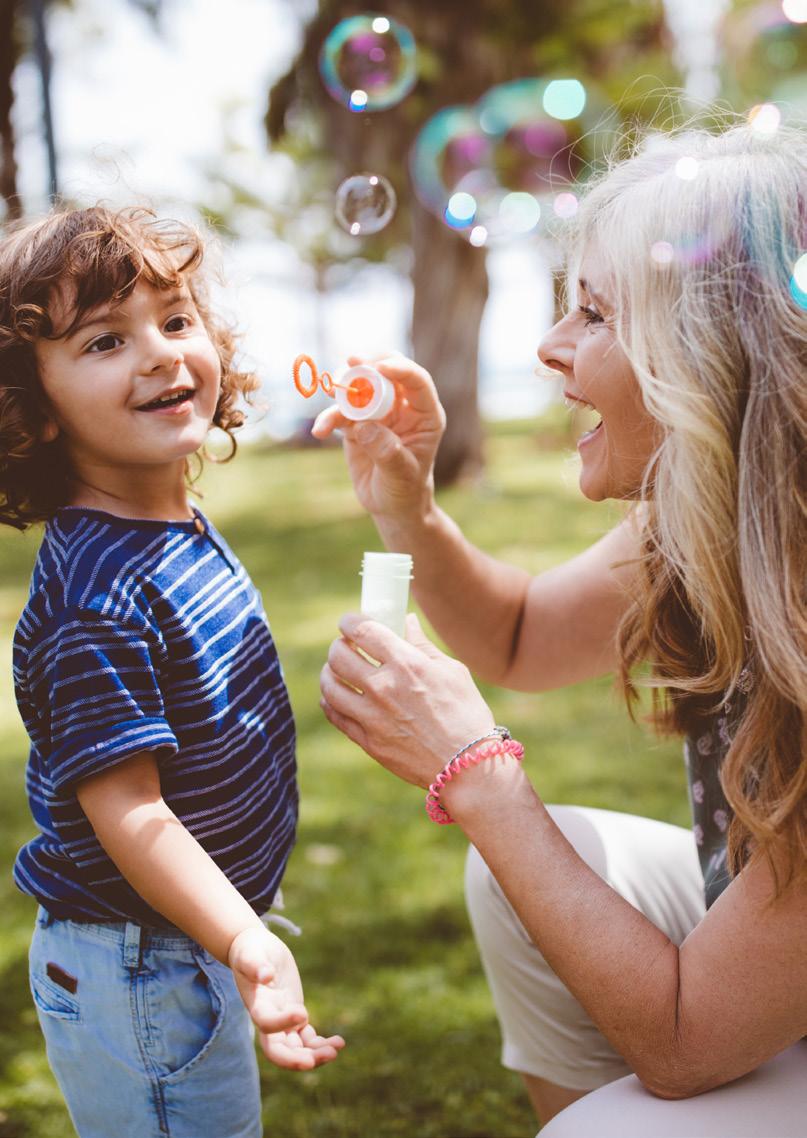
[{"x": 94, "y": 680}]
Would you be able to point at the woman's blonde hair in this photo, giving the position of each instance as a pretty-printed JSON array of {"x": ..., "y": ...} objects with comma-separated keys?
[
  {"x": 90, "y": 256},
  {"x": 700, "y": 232}
]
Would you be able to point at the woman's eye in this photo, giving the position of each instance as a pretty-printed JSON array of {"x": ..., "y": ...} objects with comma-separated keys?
[
  {"x": 178, "y": 324},
  {"x": 591, "y": 315},
  {"x": 104, "y": 343}
]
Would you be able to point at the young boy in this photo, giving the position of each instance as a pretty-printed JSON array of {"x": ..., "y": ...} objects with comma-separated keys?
[{"x": 162, "y": 770}]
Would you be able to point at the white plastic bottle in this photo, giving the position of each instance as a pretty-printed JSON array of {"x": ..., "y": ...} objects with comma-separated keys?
[
  {"x": 385, "y": 581},
  {"x": 361, "y": 392}
]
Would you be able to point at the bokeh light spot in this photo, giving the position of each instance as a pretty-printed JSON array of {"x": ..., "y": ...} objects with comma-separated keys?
[
  {"x": 565, "y": 205},
  {"x": 795, "y": 11},
  {"x": 369, "y": 56},
  {"x": 519, "y": 212},
  {"x": 461, "y": 210},
  {"x": 687, "y": 168},
  {"x": 564, "y": 98},
  {"x": 365, "y": 203},
  {"x": 798, "y": 293},
  {"x": 662, "y": 252},
  {"x": 479, "y": 235},
  {"x": 765, "y": 118},
  {"x": 800, "y": 272}
]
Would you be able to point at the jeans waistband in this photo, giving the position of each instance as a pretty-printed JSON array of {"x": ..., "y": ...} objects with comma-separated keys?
[{"x": 133, "y": 938}]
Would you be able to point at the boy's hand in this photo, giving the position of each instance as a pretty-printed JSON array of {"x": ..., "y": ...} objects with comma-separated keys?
[{"x": 269, "y": 984}]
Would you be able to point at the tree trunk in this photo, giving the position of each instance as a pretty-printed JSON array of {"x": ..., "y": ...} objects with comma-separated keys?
[
  {"x": 8, "y": 59},
  {"x": 450, "y": 289}
]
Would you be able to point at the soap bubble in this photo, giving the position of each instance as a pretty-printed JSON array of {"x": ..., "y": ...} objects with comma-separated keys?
[
  {"x": 369, "y": 62},
  {"x": 365, "y": 203},
  {"x": 762, "y": 40},
  {"x": 492, "y": 171}
]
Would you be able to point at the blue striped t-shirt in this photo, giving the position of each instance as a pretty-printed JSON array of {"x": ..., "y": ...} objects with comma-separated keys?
[{"x": 149, "y": 635}]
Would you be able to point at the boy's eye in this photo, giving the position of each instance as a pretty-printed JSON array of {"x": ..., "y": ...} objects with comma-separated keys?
[
  {"x": 178, "y": 323},
  {"x": 104, "y": 343}
]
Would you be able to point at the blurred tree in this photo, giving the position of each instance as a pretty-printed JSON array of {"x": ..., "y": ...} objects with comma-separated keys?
[
  {"x": 464, "y": 48},
  {"x": 9, "y": 54}
]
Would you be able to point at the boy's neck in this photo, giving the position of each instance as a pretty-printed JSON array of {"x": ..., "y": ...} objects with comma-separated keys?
[{"x": 138, "y": 497}]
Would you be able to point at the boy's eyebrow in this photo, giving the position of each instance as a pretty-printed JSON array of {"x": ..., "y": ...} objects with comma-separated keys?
[{"x": 102, "y": 315}]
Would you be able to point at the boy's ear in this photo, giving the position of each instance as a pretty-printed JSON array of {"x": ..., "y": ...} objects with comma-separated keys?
[{"x": 50, "y": 430}]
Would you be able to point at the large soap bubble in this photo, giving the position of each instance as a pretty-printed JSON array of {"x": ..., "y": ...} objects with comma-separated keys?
[
  {"x": 365, "y": 203},
  {"x": 369, "y": 62},
  {"x": 764, "y": 43},
  {"x": 503, "y": 168}
]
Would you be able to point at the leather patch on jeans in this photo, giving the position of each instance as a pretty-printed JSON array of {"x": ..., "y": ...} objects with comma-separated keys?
[{"x": 62, "y": 978}]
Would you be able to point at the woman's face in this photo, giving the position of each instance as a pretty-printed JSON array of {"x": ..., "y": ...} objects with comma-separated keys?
[{"x": 597, "y": 374}]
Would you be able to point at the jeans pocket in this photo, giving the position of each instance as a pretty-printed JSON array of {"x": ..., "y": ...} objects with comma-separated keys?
[
  {"x": 53, "y": 1000},
  {"x": 186, "y": 1009}
]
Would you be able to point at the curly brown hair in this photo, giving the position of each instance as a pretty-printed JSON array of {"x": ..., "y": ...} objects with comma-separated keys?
[{"x": 93, "y": 256}]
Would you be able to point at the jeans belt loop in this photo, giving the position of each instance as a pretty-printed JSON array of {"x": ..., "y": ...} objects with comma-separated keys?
[{"x": 132, "y": 947}]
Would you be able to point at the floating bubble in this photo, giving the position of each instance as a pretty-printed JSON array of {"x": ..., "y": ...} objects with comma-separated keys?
[
  {"x": 765, "y": 40},
  {"x": 369, "y": 62},
  {"x": 365, "y": 203},
  {"x": 687, "y": 168},
  {"x": 515, "y": 153}
]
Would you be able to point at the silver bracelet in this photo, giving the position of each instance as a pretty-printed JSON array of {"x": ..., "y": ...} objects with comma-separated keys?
[{"x": 498, "y": 731}]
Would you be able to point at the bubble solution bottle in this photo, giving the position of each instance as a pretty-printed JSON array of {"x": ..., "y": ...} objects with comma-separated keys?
[
  {"x": 385, "y": 581},
  {"x": 361, "y": 392}
]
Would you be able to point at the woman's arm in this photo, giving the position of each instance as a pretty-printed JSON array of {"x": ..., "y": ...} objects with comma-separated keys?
[
  {"x": 511, "y": 629},
  {"x": 685, "y": 1019},
  {"x": 167, "y": 867}
]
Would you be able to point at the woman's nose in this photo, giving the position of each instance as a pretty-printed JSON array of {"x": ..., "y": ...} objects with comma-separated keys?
[{"x": 556, "y": 349}]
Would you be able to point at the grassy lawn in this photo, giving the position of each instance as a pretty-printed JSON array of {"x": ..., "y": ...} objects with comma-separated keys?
[{"x": 386, "y": 956}]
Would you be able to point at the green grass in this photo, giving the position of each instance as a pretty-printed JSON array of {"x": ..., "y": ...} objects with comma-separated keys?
[{"x": 386, "y": 956}]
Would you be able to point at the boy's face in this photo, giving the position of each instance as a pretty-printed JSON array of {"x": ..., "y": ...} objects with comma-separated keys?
[{"x": 135, "y": 385}]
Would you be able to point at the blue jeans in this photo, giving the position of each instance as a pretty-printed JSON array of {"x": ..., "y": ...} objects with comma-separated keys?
[{"x": 145, "y": 1033}]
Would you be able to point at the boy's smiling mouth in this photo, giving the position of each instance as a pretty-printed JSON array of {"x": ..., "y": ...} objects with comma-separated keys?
[{"x": 168, "y": 400}]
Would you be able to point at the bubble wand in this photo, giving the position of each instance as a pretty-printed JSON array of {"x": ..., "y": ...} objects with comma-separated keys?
[{"x": 360, "y": 392}]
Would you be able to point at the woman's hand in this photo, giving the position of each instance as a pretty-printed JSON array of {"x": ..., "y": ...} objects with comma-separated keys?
[
  {"x": 269, "y": 984},
  {"x": 391, "y": 462},
  {"x": 412, "y": 710}
]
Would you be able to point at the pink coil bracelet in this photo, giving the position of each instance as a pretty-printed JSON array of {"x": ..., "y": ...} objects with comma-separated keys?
[{"x": 501, "y": 743}]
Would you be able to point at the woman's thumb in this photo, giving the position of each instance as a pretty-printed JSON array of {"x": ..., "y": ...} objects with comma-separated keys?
[
  {"x": 418, "y": 638},
  {"x": 381, "y": 445}
]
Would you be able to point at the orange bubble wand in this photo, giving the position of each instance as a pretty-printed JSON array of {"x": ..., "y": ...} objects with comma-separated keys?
[{"x": 359, "y": 392}]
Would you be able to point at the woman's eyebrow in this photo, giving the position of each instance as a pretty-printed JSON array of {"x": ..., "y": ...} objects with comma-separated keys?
[{"x": 586, "y": 287}]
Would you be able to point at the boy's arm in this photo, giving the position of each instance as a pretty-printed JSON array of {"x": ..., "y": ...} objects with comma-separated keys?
[{"x": 170, "y": 870}]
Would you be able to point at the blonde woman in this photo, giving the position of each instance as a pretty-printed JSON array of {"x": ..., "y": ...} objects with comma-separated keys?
[{"x": 620, "y": 948}]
